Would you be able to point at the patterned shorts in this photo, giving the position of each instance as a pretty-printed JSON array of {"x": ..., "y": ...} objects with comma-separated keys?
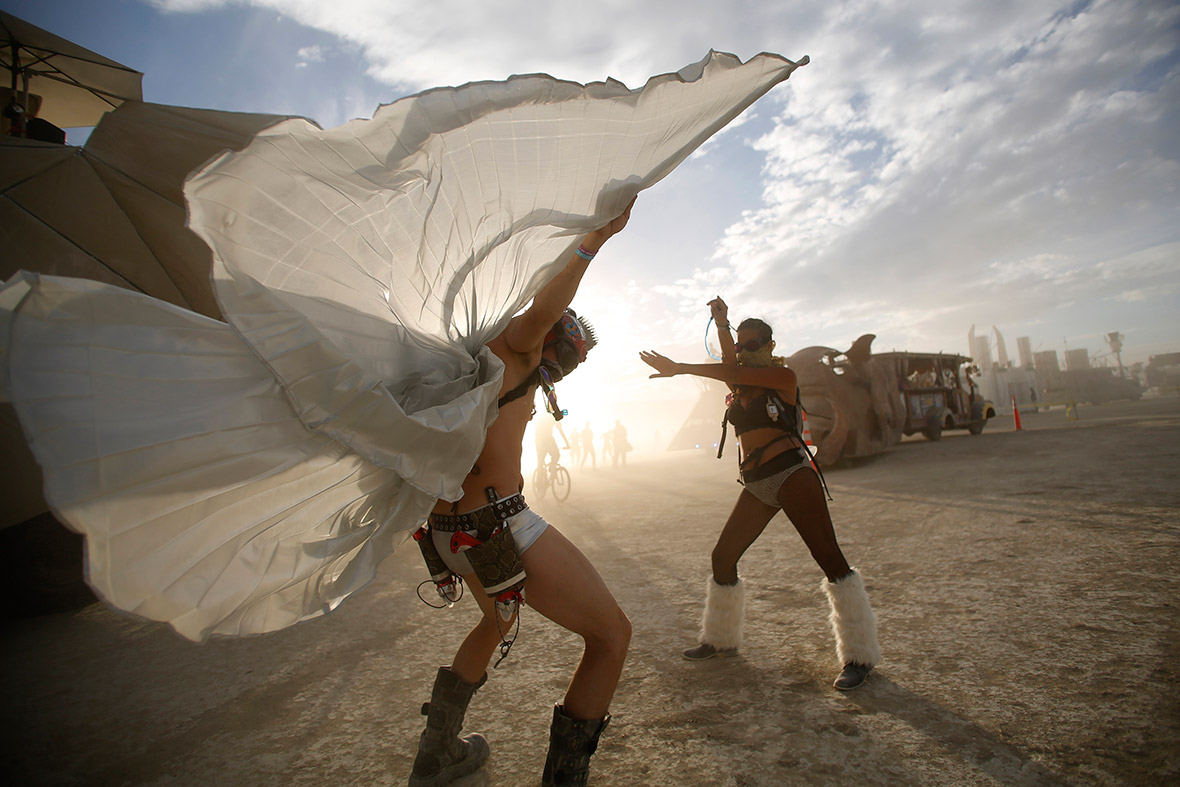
[{"x": 781, "y": 468}]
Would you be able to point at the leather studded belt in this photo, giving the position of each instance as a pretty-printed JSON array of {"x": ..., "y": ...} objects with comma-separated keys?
[{"x": 488, "y": 516}]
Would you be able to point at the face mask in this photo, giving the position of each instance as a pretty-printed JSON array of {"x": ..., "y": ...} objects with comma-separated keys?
[
  {"x": 759, "y": 357},
  {"x": 554, "y": 370},
  {"x": 568, "y": 356}
]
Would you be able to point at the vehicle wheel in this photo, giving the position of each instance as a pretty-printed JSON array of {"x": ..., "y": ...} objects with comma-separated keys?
[
  {"x": 976, "y": 427},
  {"x": 561, "y": 483},
  {"x": 828, "y": 429},
  {"x": 540, "y": 481},
  {"x": 933, "y": 430}
]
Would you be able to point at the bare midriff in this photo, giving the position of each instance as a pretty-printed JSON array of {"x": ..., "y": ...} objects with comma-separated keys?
[{"x": 498, "y": 465}]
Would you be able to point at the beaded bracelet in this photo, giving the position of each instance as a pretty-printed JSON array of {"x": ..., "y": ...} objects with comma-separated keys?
[{"x": 586, "y": 255}]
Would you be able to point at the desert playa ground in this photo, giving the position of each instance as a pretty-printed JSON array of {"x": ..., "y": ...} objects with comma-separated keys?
[{"x": 1026, "y": 586}]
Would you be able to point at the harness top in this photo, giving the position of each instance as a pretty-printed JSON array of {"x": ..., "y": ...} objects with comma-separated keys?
[
  {"x": 757, "y": 414},
  {"x": 533, "y": 379},
  {"x": 767, "y": 409}
]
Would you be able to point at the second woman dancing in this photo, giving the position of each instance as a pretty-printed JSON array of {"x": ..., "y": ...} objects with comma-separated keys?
[{"x": 776, "y": 473}]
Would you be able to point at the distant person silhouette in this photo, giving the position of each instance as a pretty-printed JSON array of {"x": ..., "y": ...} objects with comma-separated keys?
[
  {"x": 574, "y": 445},
  {"x": 620, "y": 444},
  {"x": 588, "y": 447}
]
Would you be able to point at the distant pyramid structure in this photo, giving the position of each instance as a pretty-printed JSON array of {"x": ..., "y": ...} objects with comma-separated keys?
[{"x": 702, "y": 427}]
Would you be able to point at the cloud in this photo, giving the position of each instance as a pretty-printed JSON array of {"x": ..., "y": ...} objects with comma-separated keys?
[
  {"x": 309, "y": 54},
  {"x": 415, "y": 45},
  {"x": 940, "y": 162},
  {"x": 984, "y": 161}
]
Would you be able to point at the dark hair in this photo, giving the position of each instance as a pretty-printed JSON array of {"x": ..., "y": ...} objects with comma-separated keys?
[{"x": 754, "y": 324}]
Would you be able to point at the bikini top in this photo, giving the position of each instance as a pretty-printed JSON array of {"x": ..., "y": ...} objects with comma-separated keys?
[
  {"x": 767, "y": 409},
  {"x": 533, "y": 379}
]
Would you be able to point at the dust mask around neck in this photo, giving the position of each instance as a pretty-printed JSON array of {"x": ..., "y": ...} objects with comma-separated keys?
[{"x": 760, "y": 357}]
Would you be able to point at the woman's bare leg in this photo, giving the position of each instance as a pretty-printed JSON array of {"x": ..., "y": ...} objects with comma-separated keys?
[
  {"x": 563, "y": 586},
  {"x": 746, "y": 522},
  {"x": 802, "y": 499},
  {"x": 471, "y": 660}
]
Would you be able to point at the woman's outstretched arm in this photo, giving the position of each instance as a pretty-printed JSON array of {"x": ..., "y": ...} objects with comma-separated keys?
[{"x": 779, "y": 378}]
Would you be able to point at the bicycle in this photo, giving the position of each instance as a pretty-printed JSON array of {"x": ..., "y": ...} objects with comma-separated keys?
[{"x": 552, "y": 476}]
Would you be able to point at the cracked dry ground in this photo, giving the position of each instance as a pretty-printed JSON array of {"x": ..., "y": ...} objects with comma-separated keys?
[{"x": 1025, "y": 585}]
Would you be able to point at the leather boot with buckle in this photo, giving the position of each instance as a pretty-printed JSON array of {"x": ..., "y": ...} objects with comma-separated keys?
[
  {"x": 571, "y": 744},
  {"x": 442, "y": 755}
]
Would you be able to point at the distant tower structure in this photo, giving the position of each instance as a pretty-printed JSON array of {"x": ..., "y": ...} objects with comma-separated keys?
[
  {"x": 982, "y": 352},
  {"x": 1024, "y": 347},
  {"x": 1115, "y": 340},
  {"x": 1077, "y": 359},
  {"x": 1046, "y": 362},
  {"x": 1001, "y": 348}
]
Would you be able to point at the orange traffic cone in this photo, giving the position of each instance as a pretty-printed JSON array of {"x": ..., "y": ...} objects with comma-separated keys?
[
  {"x": 807, "y": 435},
  {"x": 1016, "y": 414}
]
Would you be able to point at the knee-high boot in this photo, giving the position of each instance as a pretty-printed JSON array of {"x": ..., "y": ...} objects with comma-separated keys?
[
  {"x": 442, "y": 755},
  {"x": 721, "y": 626},
  {"x": 855, "y": 628},
  {"x": 571, "y": 744}
]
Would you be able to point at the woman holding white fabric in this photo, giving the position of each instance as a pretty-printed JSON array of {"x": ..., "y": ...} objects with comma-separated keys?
[{"x": 561, "y": 583}]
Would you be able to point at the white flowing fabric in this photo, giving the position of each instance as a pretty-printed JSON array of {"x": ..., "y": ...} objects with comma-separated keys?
[{"x": 236, "y": 479}]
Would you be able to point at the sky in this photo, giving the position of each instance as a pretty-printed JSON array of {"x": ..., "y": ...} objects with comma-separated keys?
[{"x": 940, "y": 164}]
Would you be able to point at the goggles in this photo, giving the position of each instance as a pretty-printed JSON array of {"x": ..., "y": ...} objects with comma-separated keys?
[
  {"x": 573, "y": 337},
  {"x": 753, "y": 345}
]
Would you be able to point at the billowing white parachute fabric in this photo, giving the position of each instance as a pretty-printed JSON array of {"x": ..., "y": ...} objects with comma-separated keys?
[
  {"x": 236, "y": 479},
  {"x": 348, "y": 257},
  {"x": 205, "y": 501}
]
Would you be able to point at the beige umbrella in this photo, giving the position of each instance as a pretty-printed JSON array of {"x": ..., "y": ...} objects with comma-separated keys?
[
  {"x": 76, "y": 85},
  {"x": 112, "y": 211}
]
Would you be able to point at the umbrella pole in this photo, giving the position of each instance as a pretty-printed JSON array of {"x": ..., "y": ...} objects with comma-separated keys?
[{"x": 15, "y": 111}]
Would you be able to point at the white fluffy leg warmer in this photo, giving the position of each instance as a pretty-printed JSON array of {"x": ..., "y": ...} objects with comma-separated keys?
[
  {"x": 725, "y": 608},
  {"x": 853, "y": 621}
]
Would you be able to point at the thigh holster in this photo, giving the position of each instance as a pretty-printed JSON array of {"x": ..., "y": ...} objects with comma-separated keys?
[
  {"x": 484, "y": 538},
  {"x": 449, "y": 586}
]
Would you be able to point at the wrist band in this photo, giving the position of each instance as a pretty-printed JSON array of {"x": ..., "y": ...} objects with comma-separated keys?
[{"x": 586, "y": 255}]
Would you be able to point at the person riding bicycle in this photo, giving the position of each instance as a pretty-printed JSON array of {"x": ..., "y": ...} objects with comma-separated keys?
[{"x": 547, "y": 442}]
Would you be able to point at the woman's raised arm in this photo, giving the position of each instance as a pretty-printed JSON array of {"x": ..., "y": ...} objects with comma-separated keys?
[{"x": 720, "y": 314}]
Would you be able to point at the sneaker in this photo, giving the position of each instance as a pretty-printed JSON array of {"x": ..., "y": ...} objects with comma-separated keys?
[
  {"x": 705, "y": 651},
  {"x": 852, "y": 676}
]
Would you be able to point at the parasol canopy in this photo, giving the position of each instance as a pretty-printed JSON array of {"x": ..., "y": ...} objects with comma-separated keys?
[
  {"x": 113, "y": 210},
  {"x": 76, "y": 85}
]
